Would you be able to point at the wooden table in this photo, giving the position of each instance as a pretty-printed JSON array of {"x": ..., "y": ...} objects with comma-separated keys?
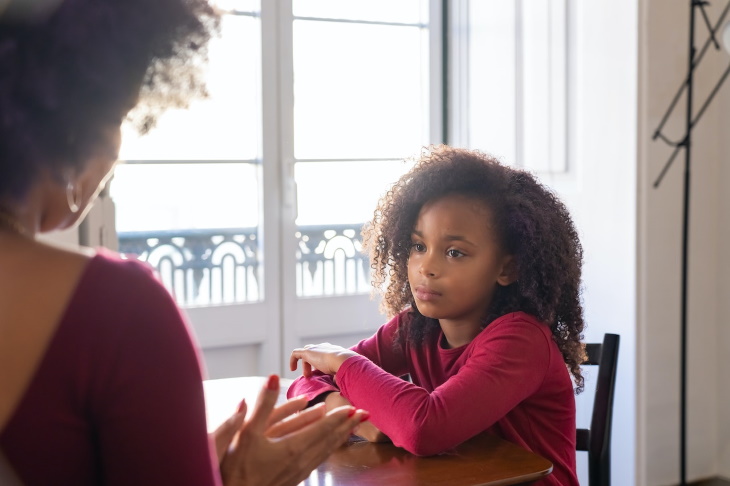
[{"x": 481, "y": 461}]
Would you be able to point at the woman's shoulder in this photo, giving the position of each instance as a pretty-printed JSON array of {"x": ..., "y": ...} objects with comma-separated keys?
[
  {"x": 128, "y": 298},
  {"x": 50, "y": 259},
  {"x": 123, "y": 281},
  {"x": 104, "y": 262}
]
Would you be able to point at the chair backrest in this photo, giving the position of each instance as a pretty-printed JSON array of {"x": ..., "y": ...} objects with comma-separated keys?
[{"x": 597, "y": 439}]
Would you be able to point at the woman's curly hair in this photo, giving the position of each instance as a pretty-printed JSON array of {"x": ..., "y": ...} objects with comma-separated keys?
[
  {"x": 533, "y": 225},
  {"x": 66, "y": 75}
]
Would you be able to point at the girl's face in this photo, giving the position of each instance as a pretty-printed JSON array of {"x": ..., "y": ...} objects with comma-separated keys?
[{"x": 455, "y": 260}]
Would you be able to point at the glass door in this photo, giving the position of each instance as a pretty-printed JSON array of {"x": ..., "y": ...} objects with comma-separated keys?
[
  {"x": 250, "y": 202},
  {"x": 189, "y": 201},
  {"x": 359, "y": 80}
]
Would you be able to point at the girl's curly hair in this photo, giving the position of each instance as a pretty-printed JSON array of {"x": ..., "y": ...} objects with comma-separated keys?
[
  {"x": 533, "y": 225},
  {"x": 84, "y": 64}
]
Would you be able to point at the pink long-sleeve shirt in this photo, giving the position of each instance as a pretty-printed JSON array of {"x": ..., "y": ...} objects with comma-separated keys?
[
  {"x": 510, "y": 380},
  {"x": 118, "y": 397}
]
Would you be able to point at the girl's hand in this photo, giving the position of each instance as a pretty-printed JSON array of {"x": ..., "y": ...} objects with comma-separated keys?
[
  {"x": 370, "y": 433},
  {"x": 324, "y": 357},
  {"x": 269, "y": 449}
]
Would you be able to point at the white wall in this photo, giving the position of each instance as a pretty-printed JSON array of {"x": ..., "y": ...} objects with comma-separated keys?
[{"x": 664, "y": 27}]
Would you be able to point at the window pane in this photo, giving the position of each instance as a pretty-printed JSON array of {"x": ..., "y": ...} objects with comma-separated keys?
[
  {"x": 544, "y": 74},
  {"x": 343, "y": 192},
  {"x": 361, "y": 96},
  {"x": 237, "y": 5},
  {"x": 153, "y": 197},
  {"x": 492, "y": 82},
  {"x": 335, "y": 199},
  {"x": 225, "y": 125},
  {"x": 536, "y": 69},
  {"x": 197, "y": 224},
  {"x": 518, "y": 112},
  {"x": 405, "y": 11}
]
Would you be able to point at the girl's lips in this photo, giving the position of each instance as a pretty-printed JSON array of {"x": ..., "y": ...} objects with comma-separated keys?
[{"x": 424, "y": 294}]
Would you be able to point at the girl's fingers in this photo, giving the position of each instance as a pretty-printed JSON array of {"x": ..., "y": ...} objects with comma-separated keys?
[
  {"x": 296, "y": 422},
  {"x": 306, "y": 368},
  {"x": 296, "y": 355},
  {"x": 293, "y": 359}
]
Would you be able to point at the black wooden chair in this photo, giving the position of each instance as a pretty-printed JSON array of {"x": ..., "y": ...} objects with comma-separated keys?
[{"x": 597, "y": 440}]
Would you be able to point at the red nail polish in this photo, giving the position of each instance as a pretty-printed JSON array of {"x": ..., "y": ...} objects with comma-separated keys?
[
  {"x": 241, "y": 406},
  {"x": 351, "y": 412},
  {"x": 273, "y": 383},
  {"x": 365, "y": 416}
]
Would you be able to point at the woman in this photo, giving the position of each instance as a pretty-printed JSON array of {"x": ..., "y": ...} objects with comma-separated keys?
[{"x": 100, "y": 378}]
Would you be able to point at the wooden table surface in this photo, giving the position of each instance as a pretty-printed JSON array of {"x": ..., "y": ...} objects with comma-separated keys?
[{"x": 485, "y": 460}]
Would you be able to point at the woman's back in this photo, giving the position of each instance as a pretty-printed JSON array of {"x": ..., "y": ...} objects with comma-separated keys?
[
  {"x": 110, "y": 389},
  {"x": 36, "y": 283}
]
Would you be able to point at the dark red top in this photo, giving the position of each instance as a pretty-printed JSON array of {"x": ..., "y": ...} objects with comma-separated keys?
[
  {"x": 510, "y": 380},
  {"x": 118, "y": 397}
]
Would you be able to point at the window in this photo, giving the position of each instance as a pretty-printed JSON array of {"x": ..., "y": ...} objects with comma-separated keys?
[
  {"x": 188, "y": 194},
  {"x": 514, "y": 71},
  {"x": 250, "y": 203},
  {"x": 360, "y": 92}
]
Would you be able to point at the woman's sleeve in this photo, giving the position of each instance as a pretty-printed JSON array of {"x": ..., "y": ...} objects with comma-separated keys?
[
  {"x": 506, "y": 366},
  {"x": 147, "y": 391},
  {"x": 379, "y": 349}
]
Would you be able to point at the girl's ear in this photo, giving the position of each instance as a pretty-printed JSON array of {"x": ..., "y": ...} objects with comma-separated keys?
[{"x": 509, "y": 272}]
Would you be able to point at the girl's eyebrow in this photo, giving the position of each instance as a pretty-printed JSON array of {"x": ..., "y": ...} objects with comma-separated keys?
[{"x": 446, "y": 237}]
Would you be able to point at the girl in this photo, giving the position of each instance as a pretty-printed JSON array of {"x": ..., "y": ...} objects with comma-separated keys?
[{"x": 480, "y": 266}]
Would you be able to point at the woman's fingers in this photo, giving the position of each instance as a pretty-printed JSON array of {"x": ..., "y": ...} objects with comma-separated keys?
[
  {"x": 264, "y": 405},
  {"x": 296, "y": 422},
  {"x": 291, "y": 406},
  {"x": 317, "y": 441},
  {"x": 331, "y": 430},
  {"x": 223, "y": 435}
]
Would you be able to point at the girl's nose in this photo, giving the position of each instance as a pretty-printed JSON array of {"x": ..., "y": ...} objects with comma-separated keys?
[{"x": 428, "y": 267}]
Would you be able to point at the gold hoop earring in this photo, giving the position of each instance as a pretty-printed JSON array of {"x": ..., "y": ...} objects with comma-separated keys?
[{"x": 74, "y": 204}]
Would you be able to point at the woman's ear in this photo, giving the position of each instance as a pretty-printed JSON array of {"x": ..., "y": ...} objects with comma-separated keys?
[{"x": 509, "y": 272}]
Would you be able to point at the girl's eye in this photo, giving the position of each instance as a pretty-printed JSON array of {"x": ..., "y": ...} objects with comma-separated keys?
[
  {"x": 418, "y": 247},
  {"x": 454, "y": 253}
]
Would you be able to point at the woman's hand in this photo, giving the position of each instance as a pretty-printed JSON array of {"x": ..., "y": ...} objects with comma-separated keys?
[
  {"x": 324, "y": 357},
  {"x": 366, "y": 430},
  {"x": 224, "y": 434},
  {"x": 277, "y": 423},
  {"x": 276, "y": 448}
]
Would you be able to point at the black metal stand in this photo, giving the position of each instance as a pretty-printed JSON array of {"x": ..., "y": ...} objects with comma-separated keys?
[{"x": 685, "y": 143}]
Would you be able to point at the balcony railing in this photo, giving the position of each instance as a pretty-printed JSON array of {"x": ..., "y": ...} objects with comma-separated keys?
[{"x": 214, "y": 266}]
